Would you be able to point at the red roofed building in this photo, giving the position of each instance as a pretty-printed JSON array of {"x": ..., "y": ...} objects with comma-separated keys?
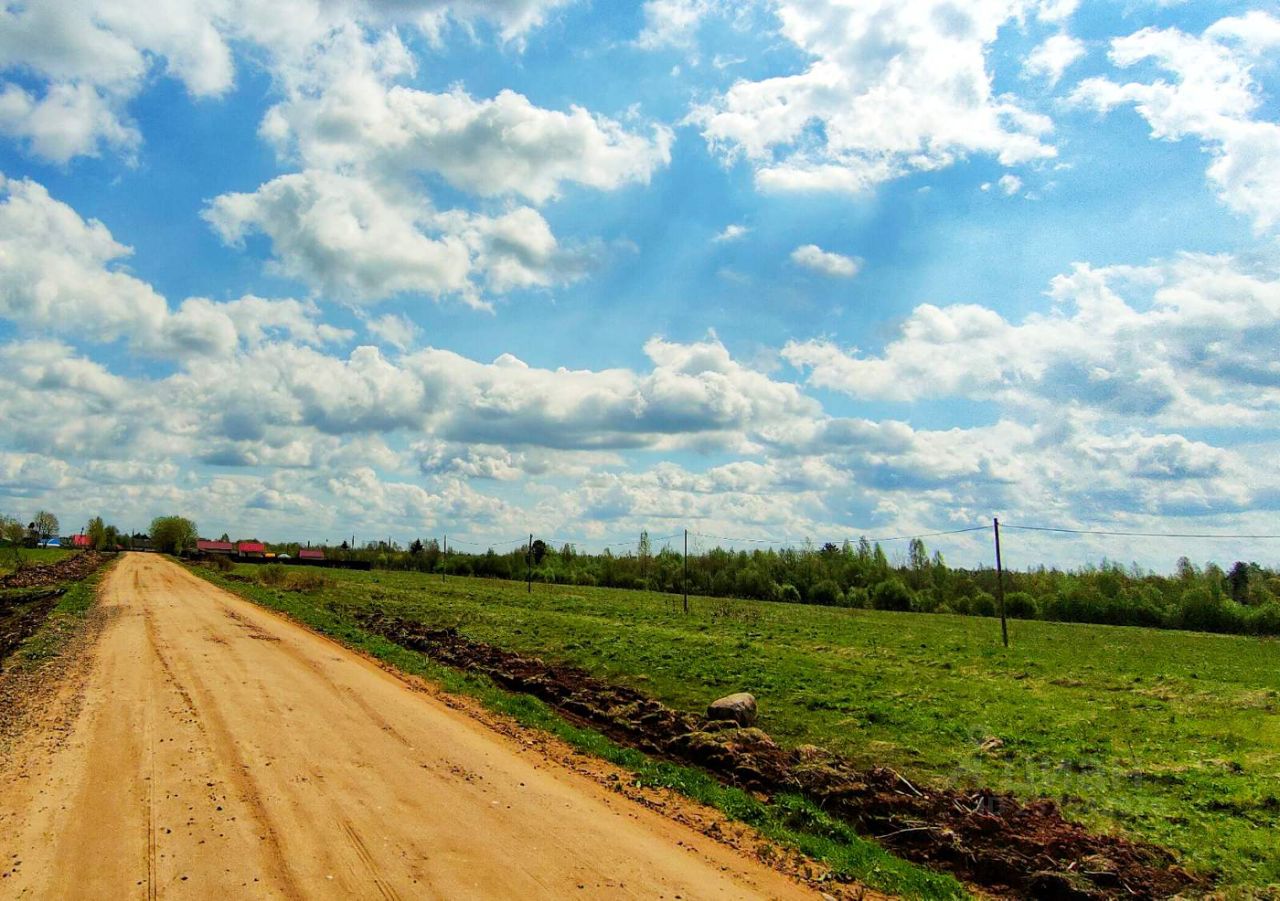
[
  {"x": 214, "y": 547},
  {"x": 310, "y": 553},
  {"x": 251, "y": 549},
  {"x": 79, "y": 540}
]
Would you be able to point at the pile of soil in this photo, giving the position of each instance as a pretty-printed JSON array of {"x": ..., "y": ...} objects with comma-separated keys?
[
  {"x": 18, "y": 621},
  {"x": 72, "y": 569},
  {"x": 990, "y": 839}
]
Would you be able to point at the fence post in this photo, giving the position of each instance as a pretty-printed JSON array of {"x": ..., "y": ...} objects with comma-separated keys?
[
  {"x": 686, "y": 571},
  {"x": 1004, "y": 622},
  {"x": 528, "y": 559}
]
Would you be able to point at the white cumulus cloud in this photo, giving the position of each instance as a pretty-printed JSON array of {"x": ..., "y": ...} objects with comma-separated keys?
[
  {"x": 1213, "y": 96},
  {"x": 893, "y": 87},
  {"x": 815, "y": 259}
]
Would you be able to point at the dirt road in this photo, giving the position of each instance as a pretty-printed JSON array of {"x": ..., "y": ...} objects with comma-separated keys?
[{"x": 221, "y": 751}]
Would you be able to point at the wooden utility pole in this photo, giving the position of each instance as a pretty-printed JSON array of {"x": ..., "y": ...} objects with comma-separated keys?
[
  {"x": 686, "y": 571},
  {"x": 528, "y": 559},
  {"x": 1004, "y": 622},
  {"x": 444, "y": 553}
]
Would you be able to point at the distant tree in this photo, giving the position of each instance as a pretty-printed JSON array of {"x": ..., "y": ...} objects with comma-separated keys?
[
  {"x": 416, "y": 548},
  {"x": 110, "y": 538},
  {"x": 173, "y": 534},
  {"x": 45, "y": 524},
  {"x": 539, "y": 550},
  {"x": 225, "y": 537},
  {"x": 1238, "y": 582},
  {"x": 11, "y": 531},
  {"x": 96, "y": 531},
  {"x": 345, "y": 546}
]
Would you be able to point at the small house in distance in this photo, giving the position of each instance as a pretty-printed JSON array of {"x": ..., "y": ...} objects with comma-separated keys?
[
  {"x": 311, "y": 553},
  {"x": 215, "y": 547},
  {"x": 251, "y": 549}
]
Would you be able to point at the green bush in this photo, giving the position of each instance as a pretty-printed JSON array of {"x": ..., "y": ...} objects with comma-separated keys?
[
  {"x": 220, "y": 563},
  {"x": 306, "y": 580},
  {"x": 857, "y": 598},
  {"x": 891, "y": 595},
  {"x": 1202, "y": 611},
  {"x": 982, "y": 604},
  {"x": 1263, "y": 619},
  {"x": 826, "y": 592},
  {"x": 789, "y": 593},
  {"x": 273, "y": 574},
  {"x": 1021, "y": 605},
  {"x": 925, "y": 601}
]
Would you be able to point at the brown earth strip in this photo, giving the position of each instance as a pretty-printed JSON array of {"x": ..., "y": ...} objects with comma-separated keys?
[
  {"x": 20, "y": 620},
  {"x": 991, "y": 839},
  {"x": 72, "y": 569}
]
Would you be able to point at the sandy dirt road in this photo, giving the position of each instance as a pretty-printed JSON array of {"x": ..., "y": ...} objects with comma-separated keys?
[{"x": 221, "y": 751}]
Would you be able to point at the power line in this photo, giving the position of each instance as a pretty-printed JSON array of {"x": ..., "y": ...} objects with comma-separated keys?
[
  {"x": 1127, "y": 534},
  {"x": 932, "y": 534}
]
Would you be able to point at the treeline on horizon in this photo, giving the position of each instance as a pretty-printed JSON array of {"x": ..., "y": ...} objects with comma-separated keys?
[{"x": 1241, "y": 600}]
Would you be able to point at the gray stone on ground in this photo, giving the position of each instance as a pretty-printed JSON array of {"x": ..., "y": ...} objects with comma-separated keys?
[{"x": 740, "y": 707}]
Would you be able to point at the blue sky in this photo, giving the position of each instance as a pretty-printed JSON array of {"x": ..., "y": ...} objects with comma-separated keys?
[{"x": 788, "y": 269}]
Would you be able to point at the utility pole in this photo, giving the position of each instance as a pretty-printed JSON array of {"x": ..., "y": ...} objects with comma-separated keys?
[
  {"x": 686, "y": 571},
  {"x": 528, "y": 559},
  {"x": 444, "y": 553},
  {"x": 1004, "y": 622}
]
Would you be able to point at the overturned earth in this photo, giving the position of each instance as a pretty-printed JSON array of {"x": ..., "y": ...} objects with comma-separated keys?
[{"x": 994, "y": 840}]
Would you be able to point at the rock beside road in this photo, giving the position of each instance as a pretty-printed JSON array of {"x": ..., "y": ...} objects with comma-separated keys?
[{"x": 740, "y": 707}]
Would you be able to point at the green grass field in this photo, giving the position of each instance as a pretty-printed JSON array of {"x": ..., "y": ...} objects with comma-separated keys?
[
  {"x": 1168, "y": 736},
  {"x": 31, "y": 557}
]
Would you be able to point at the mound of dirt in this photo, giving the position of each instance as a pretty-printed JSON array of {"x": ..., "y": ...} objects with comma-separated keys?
[
  {"x": 72, "y": 569},
  {"x": 991, "y": 839},
  {"x": 18, "y": 621}
]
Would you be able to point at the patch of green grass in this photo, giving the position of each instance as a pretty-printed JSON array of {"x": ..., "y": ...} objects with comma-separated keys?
[
  {"x": 1172, "y": 737},
  {"x": 789, "y": 821},
  {"x": 11, "y": 559},
  {"x": 62, "y": 623}
]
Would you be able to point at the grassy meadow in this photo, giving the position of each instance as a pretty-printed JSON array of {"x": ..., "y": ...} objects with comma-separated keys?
[{"x": 1173, "y": 737}]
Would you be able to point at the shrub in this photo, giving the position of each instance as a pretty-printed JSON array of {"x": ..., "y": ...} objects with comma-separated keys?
[
  {"x": 1263, "y": 619},
  {"x": 1202, "y": 611},
  {"x": 826, "y": 593},
  {"x": 220, "y": 563},
  {"x": 273, "y": 574},
  {"x": 584, "y": 579},
  {"x": 891, "y": 595},
  {"x": 856, "y": 597},
  {"x": 982, "y": 604},
  {"x": 1021, "y": 605},
  {"x": 308, "y": 580},
  {"x": 789, "y": 593},
  {"x": 925, "y": 601}
]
